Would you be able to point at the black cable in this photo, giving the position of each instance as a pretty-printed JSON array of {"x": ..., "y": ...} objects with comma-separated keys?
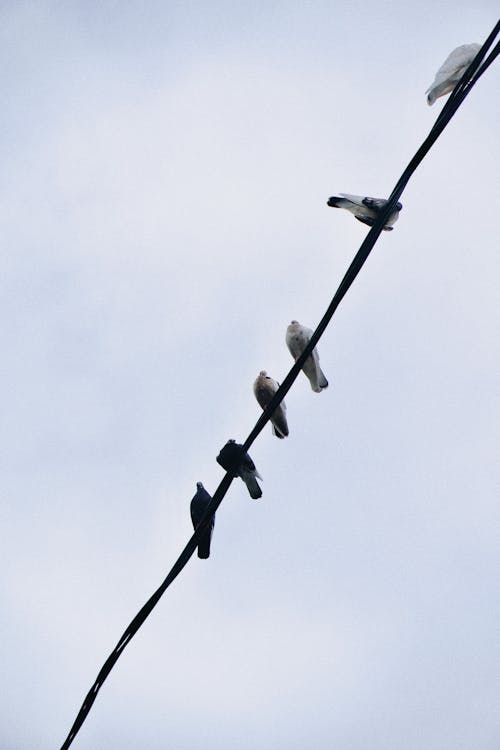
[
  {"x": 146, "y": 610},
  {"x": 365, "y": 249},
  {"x": 374, "y": 233},
  {"x": 462, "y": 89}
]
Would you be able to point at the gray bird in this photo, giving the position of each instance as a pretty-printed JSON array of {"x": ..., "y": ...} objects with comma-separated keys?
[
  {"x": 365, "y": 209},
  {"x": 264, "y": 389},
  {"x": 199, "y": 504},
  {"x": 297, "y": 338},
  {"x": 237, "y": 462},
  {"x": 451, "y": 71}
]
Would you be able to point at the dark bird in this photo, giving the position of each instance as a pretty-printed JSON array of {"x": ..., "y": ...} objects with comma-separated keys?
[
  {"x": 264, "y": 389},
  {"x": 365, "y": 209},
  {"x": 237, "y": 462},
  {"x": 199, "y": 504}
]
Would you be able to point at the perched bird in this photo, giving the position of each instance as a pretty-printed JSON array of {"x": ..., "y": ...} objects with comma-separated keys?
[
  {"x": 199, "y": 504},
  {"x": 365, "y": 209},
  {"x": 451, "y": 71},
  {"x": 264, "y": 389},
  {"x": 237, "y": 462},
  {"x": 297, "y": 338}
]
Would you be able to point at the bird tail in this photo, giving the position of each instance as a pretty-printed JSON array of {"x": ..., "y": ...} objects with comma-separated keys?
[
  {"x": 322, "y": 381},
  {"x": 335, "y": 202},
  {"x": 319, "y": 385},
  {"x": 204, "y": 543},
  {"x": 315, "y": 373},
  {"x": 252, "y": 486},
  {"x": 280, "y": 426},
  {"x": 204, "y": 548}
]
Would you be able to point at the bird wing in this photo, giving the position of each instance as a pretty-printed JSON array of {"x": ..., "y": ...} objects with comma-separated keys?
[
  {"x": 376, "y": 204},
  {"x": 198, "y": 506},
  {"x": 356, "y": 199},
  {"x": 460, "y": 58}
]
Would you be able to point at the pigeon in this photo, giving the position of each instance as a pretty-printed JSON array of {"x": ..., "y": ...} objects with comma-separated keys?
[
  {"x": 451, "y": 71},
  {"x": 297, "y": 338},
  {"x": 237, "y": 462},
  {"x": 199, "y": 504},
  {"x": 264, "y": 389},
  {"x": 365, "y": 209}
]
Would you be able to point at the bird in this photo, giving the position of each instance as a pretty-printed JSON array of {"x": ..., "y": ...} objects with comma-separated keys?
[
  {"x": 451, "y": 71},
  {"x": 365, "y": 209},
  {"x": 199, "y": 505},
  {"x": 297, "y": 338},
  {"x": 264, "y": 389},
  {"x": 234, "y": 459}
]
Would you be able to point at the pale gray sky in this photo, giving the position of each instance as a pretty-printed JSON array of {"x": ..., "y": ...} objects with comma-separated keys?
[{"x": 165, "y": 174}]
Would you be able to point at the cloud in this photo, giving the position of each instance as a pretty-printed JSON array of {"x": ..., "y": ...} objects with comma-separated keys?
[{"x": 164, "y": 193}]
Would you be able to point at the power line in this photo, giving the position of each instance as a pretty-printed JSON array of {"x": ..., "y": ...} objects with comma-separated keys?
[
  {"x": 475, "y": 70},
  {"x": 367, "y": 245}
]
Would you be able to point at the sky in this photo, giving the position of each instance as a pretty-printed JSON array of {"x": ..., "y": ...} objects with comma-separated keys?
[{"x": 165, "y": 171}]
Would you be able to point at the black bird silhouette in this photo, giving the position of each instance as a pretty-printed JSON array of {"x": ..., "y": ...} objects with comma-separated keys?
[
  {"x": 199, "y": 504},
  {"x": 237, "y": 462}
]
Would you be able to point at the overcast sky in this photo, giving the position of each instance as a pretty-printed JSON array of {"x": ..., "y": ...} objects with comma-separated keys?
[{"x": 165, "y": 171}]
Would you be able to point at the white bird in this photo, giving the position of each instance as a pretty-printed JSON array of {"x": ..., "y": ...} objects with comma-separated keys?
[
  {"x": 451, "y": 71},
  {"x": 297, "y": 338},
  {"x": 264, "y": 389},
  {"x": 365, "y": 209}
]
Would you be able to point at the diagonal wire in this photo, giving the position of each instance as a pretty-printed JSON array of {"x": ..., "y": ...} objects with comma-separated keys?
[
  {"x": 374, "y": 233},
  {"x": 462, "y": 89}
]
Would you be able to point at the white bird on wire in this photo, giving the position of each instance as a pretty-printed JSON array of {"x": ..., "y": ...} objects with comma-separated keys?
[
  {"x": 365, "y": 209},
  {"x": 264, "y": 389},
  {"x": 297, "y": 338},
  {"x": 451, "y": 71}
]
